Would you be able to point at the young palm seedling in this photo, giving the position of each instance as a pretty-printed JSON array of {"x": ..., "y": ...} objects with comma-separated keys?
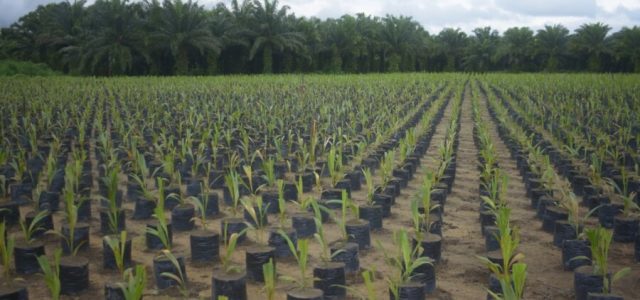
[
  {"x": 371, "y": 211},
  {"x": 6, "y": 250},
  {"x": 27, "y": 249},
  {"x": 51, "y": 271},
  {"x": 270, "y": 279},
  {"x": 32, "y": 228},
  {"x": 600, "y": 241},
  {"x": 626, "y": 224},
  {"x": 575, "y": 222},
  {"x": 114, "y": 215},
  {"x": 176, "y": 273},
  {"x": 201, "y": 210},
  {"x": 301, "y": 254},
  {"x": 118, "y": 246},
  {"x": 158, "y": 234},
  {"x": 404, "y": 263},
  {"x": 233, "y": 223},
  {"x": 257, "y": 213},
  {"x": 386, "y": 167},
  {"x": 73, "y": 239},
  {"x": 233, "y": 182},
  {"x": 204, "y": 242},
  {"x": 229, "y": 280},
  {"x": 328, "y": 276},
  {"x": 512, "y": 272},
  {"x": 135, "y": 281},
  {"x": 334, "y": 165}
]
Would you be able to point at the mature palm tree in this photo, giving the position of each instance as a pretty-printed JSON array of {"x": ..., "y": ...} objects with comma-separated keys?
[
  {"x": 591, "y": 41},
  {"x": 481, "y": 49},
  {"x": 451, "y": 43},
  {"x": 627, "y": 46},
  {"x": 271, "y": 32},
  {"x": 116, "y": 38},
  {"x": 402, "y": 39},
  {"x": 229, "y": 32},
  {"x": 369, "y": 30},
  {"x": 517, "y": 48},
  {"x": 552, "y": 45},
  {"x": 342, "y": 43},
  {"x": 64, "y": 33},
  {"x": 21, "y": 38},
  {"x": 182, "y": 27},
  {"x": 310, "y": 29}
]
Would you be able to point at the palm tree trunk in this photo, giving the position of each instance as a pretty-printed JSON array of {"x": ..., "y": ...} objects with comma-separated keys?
[
  {"x": 451, "y": 63},
  {"x": 212, "y": 63},
  {"x": 336, "y": 59},
  {"x": 594, "y": 62},
  {"x": 182, "y": 62},
  {"x": 267, "y": 59},
  {"x": 394, "y": 62},
  {"x": 552, "y": 63}
]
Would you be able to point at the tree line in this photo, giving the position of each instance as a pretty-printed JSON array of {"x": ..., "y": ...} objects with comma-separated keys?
[{"x": 175, "y": 37}]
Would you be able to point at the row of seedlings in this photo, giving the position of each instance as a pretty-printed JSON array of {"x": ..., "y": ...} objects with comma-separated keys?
[
  {"x": 420, "y": 249},
  {"x": 584, "y": 249},
  {"x": 508, "y": 271}
]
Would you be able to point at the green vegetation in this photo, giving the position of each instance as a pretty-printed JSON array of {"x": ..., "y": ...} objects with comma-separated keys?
[{"x": 12, "y": 67}]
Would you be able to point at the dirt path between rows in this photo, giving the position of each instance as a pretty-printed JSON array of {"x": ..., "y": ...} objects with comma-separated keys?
[{"x": 461, "y": 274}]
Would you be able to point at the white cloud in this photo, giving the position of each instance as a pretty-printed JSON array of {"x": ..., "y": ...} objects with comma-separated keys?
[
  {"x": 613, "y": 5},
  {"x": 437, "y": 14}
]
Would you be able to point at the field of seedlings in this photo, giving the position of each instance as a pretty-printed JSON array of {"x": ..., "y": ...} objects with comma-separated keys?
[{"x": 412, "y": 186}]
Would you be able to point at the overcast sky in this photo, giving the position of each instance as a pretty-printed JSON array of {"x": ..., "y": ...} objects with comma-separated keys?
[{"x": 437, "y": 14}]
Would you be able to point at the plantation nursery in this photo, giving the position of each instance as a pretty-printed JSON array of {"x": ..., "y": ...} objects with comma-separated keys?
[{"x": 394, "y": 186}]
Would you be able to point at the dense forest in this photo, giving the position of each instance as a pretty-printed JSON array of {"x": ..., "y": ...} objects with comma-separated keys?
[{"x": 174, "y": 37}]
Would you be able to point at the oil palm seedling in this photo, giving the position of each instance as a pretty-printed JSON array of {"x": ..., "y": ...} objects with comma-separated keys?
[
  {"x": 135, "y": 281},
  {"x": 201, "y": 206},
  {"x": 600, "y": 242},
  {"x": 233, "y": 182},
  {"x": 570, "y": 204},
  {"x": 51, "y": 273},
  {"x": 386, "y": 167},
  {"x": 371, "y": 211},
  {"x": 626, "y": 224},
  {"x": 329, "y": 275},
  {"x": 177, "y": 273},
  {"x": 257, "y": 212},
  {"x": 229, "y": 279},
  {"x": 301, "y": 254},
  {"x": 114, "y": 215},
  {"x": 74, "y": 240},
  {"x": 270, "y": 279},
  {"x": 159, "y": 234},
  {"x": 183, "y": 212},
  {"x": 405, "y": 261},
  {"x": 31, "y": 228},
  {"x": 334, "y": 165},
  {"x": 120, "y": 249},
  {"x": 7, "y": 244},
  {"x": 27, "y": 249},
  {"x": 509, "y": 270}
]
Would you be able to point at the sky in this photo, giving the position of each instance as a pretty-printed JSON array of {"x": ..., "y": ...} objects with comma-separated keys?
[{"x": 437, "y": 14}]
